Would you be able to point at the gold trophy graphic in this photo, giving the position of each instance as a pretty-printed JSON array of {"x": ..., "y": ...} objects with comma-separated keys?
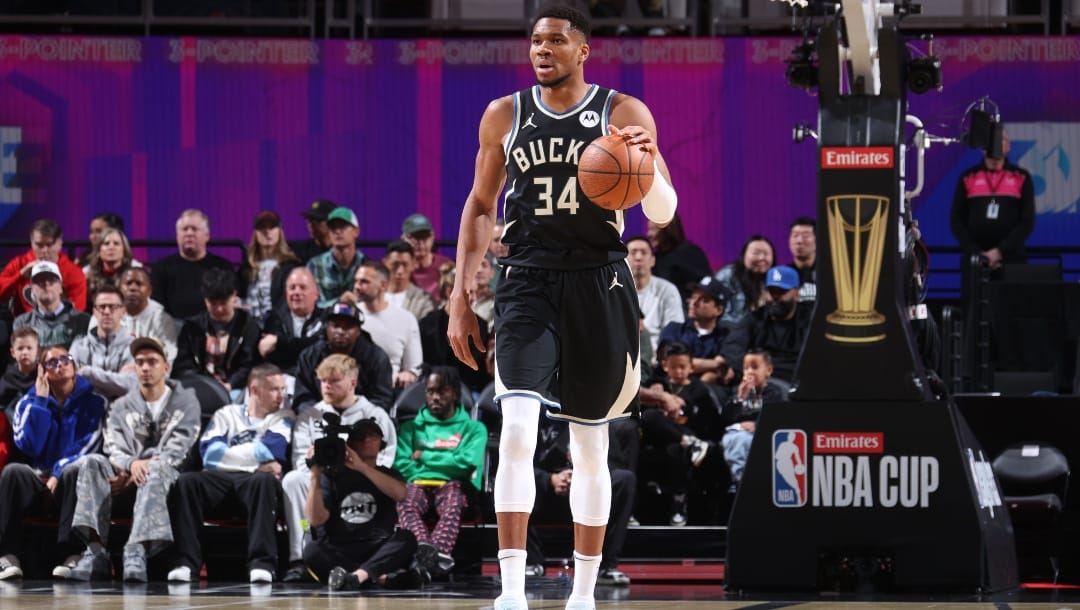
[{"x": 857, "y": 225}]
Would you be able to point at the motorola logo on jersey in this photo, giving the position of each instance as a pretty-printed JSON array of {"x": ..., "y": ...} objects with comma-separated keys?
[
  {"x": 856, "y": 157},
  {"x": 589, "y": 118},
  {"x": 358, "y": 508},
  {"x": 789, "y": 468}
]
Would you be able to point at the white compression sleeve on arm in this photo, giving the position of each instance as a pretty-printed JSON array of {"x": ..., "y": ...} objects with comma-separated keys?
[
  {"x": 660, "y": 202},
  {"x": 590, "y": 491},
  {"x": 515, "y": 487}
]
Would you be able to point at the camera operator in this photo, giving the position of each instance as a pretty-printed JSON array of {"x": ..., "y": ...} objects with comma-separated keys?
[
  {"x": 351, "y": 510},
  {"x": 337, "y": 374}
]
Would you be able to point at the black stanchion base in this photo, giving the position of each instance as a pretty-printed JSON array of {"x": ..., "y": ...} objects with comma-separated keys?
[{"x": 868, "y": 497}]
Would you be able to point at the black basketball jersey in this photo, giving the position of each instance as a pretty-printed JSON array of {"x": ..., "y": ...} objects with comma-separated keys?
[{"x": 549, "y": 221}]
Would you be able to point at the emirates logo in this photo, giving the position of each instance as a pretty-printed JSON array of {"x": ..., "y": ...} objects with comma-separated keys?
[{"x": 857, "y": 157}]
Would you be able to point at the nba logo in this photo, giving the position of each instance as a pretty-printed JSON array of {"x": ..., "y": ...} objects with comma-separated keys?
[{"x": 789, "y": 468}]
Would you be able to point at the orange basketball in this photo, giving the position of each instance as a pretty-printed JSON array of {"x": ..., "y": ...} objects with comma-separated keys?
[{"x": 614, "y": 175}]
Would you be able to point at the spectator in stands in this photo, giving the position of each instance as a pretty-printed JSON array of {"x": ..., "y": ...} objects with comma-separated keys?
[
  {"x": 107, "y": 262},
  {"x": 678, "y": 260},
  {"x": 267, "y": 263},
  {"x": 418, "y": 232},
  {"x": 98, "y": 224},
  {"x": 148, "y": 435},
  {"x": 57, "y": 321},
  {"x": 781, "y": 326},
  {"x": 743, "y": 408},
  {"x": 219, "y": 342},
  {"x": 682, "y": 423},
  {"x": 338, "y": 375},
  {"x": 482, "y": 300},
  {"x": 102, "y": 353},
  {"x": 57, "y": 422},
  {"x": 554, "y": 471},
  {"x": 46, "y": 245},
  {"x": 401, "y": 291},
  {"x": 244, "y": 452},
  {"x": 344, "y": 336},
  {"x": 348, "y": 551},
  {"x": 659, "y": 298},
  {"x": 802, "y": 241},
  {"x": 334, "y": 270},
  {"x": 716, "y": 348},
  {"x": 393, "y": 329},
  {"x": 745, "y": 279},
  {"x": 440, "y": 454},
  {"x": 436, "y": 346},
  {"x": 315, "y": 216},
  {"x": 145, "y": 317},
  {"x": 175, "y": 277},
  {"x": 295, "y": 324},
  {"x": 22, "y": 371},
  {"x": 496, "y": 250}
]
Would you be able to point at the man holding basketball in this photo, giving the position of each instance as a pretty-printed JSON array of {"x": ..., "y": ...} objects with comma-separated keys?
[{"x": 566, "y": 312}]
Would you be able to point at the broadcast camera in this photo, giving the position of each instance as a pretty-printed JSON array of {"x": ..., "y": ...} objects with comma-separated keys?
[{"x": 330, "y": 449}]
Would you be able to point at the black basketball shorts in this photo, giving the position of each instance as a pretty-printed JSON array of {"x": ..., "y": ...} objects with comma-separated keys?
[{"x": 569, "y": 339}]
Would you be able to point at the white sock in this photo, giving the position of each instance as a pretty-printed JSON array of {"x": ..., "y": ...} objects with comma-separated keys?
[
  {"x": 586, "y": 569},
  {"x": 512, "y": 570}
]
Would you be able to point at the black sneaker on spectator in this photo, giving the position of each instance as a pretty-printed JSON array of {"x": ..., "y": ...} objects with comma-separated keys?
[
  {"x": 534, "y": 570},
  {"x": 413, "y": 577},
  {"x": 297, "y": 572},
  {"x": 633, "y": 522},
  {"x": 340, "y": 580},
  {"x": 612, "y": 578},
  {"x": 678, "y": 510},
  {"x": 427, "y": 556}
]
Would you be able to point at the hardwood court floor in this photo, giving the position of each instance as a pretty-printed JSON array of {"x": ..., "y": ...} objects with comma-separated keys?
[{"x": 44, "y": 595}]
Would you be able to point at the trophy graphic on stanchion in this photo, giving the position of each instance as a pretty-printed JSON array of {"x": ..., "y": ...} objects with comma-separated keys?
[{"x": 857, "y": 225}]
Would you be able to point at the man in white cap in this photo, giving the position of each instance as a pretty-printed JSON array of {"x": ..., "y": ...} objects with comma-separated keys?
[
  {"x": 56, "y": 321},
  {"x": 418, "y": 232},
  {"x": 334, "y": 269}
]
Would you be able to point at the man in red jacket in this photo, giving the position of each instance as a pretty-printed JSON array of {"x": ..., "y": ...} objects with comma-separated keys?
[{"x": 46, "y": 244}]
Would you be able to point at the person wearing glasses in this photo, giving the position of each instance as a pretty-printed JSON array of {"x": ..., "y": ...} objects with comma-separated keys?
[
  {"x": 57, "y": 422},
  {"x": 102, "y": 353},
  {"x": 56, "y": 320}
]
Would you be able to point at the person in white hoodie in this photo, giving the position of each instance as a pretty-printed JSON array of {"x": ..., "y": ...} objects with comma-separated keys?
[
  {"x": 145, "y": 316},
  {"x": 338, "y": 375},
  {"x": 244, "y": 451}
]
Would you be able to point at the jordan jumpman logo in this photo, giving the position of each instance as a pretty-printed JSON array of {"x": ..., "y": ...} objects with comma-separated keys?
[
  {"x": 614, "y": 283},
  {"x": 528, "y": 122}
]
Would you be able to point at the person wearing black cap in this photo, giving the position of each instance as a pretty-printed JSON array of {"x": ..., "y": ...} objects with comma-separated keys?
[
  {"x": 354, "y": 544},
  {"x": 266, "y": 265},
  {"x": 344, "y": 336},
  {"x": 316, "y": 216},
  {"x": 716, "y": 348}
]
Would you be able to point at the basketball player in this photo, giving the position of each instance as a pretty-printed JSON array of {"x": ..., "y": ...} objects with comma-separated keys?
[{"x": 566, "y": 310}]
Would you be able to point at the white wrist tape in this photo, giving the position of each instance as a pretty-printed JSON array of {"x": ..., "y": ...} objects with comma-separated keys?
[{"x": 660, "y": 202}]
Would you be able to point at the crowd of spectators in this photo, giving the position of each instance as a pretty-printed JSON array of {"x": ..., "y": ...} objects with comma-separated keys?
[{"x": 106, "y": 411}]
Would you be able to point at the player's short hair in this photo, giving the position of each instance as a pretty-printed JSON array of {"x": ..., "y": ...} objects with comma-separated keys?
[
  {"x": 578, "y": 20},
  {"x": 338, "y": 364}
]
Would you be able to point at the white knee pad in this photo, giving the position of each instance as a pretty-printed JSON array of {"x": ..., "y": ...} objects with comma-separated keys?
[
  {"x": 515, "y": 488},
  {"x": 590, "y": 492}
]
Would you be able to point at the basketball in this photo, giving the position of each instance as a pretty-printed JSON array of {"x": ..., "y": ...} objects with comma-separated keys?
[{"x": 613, "y": 174}]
